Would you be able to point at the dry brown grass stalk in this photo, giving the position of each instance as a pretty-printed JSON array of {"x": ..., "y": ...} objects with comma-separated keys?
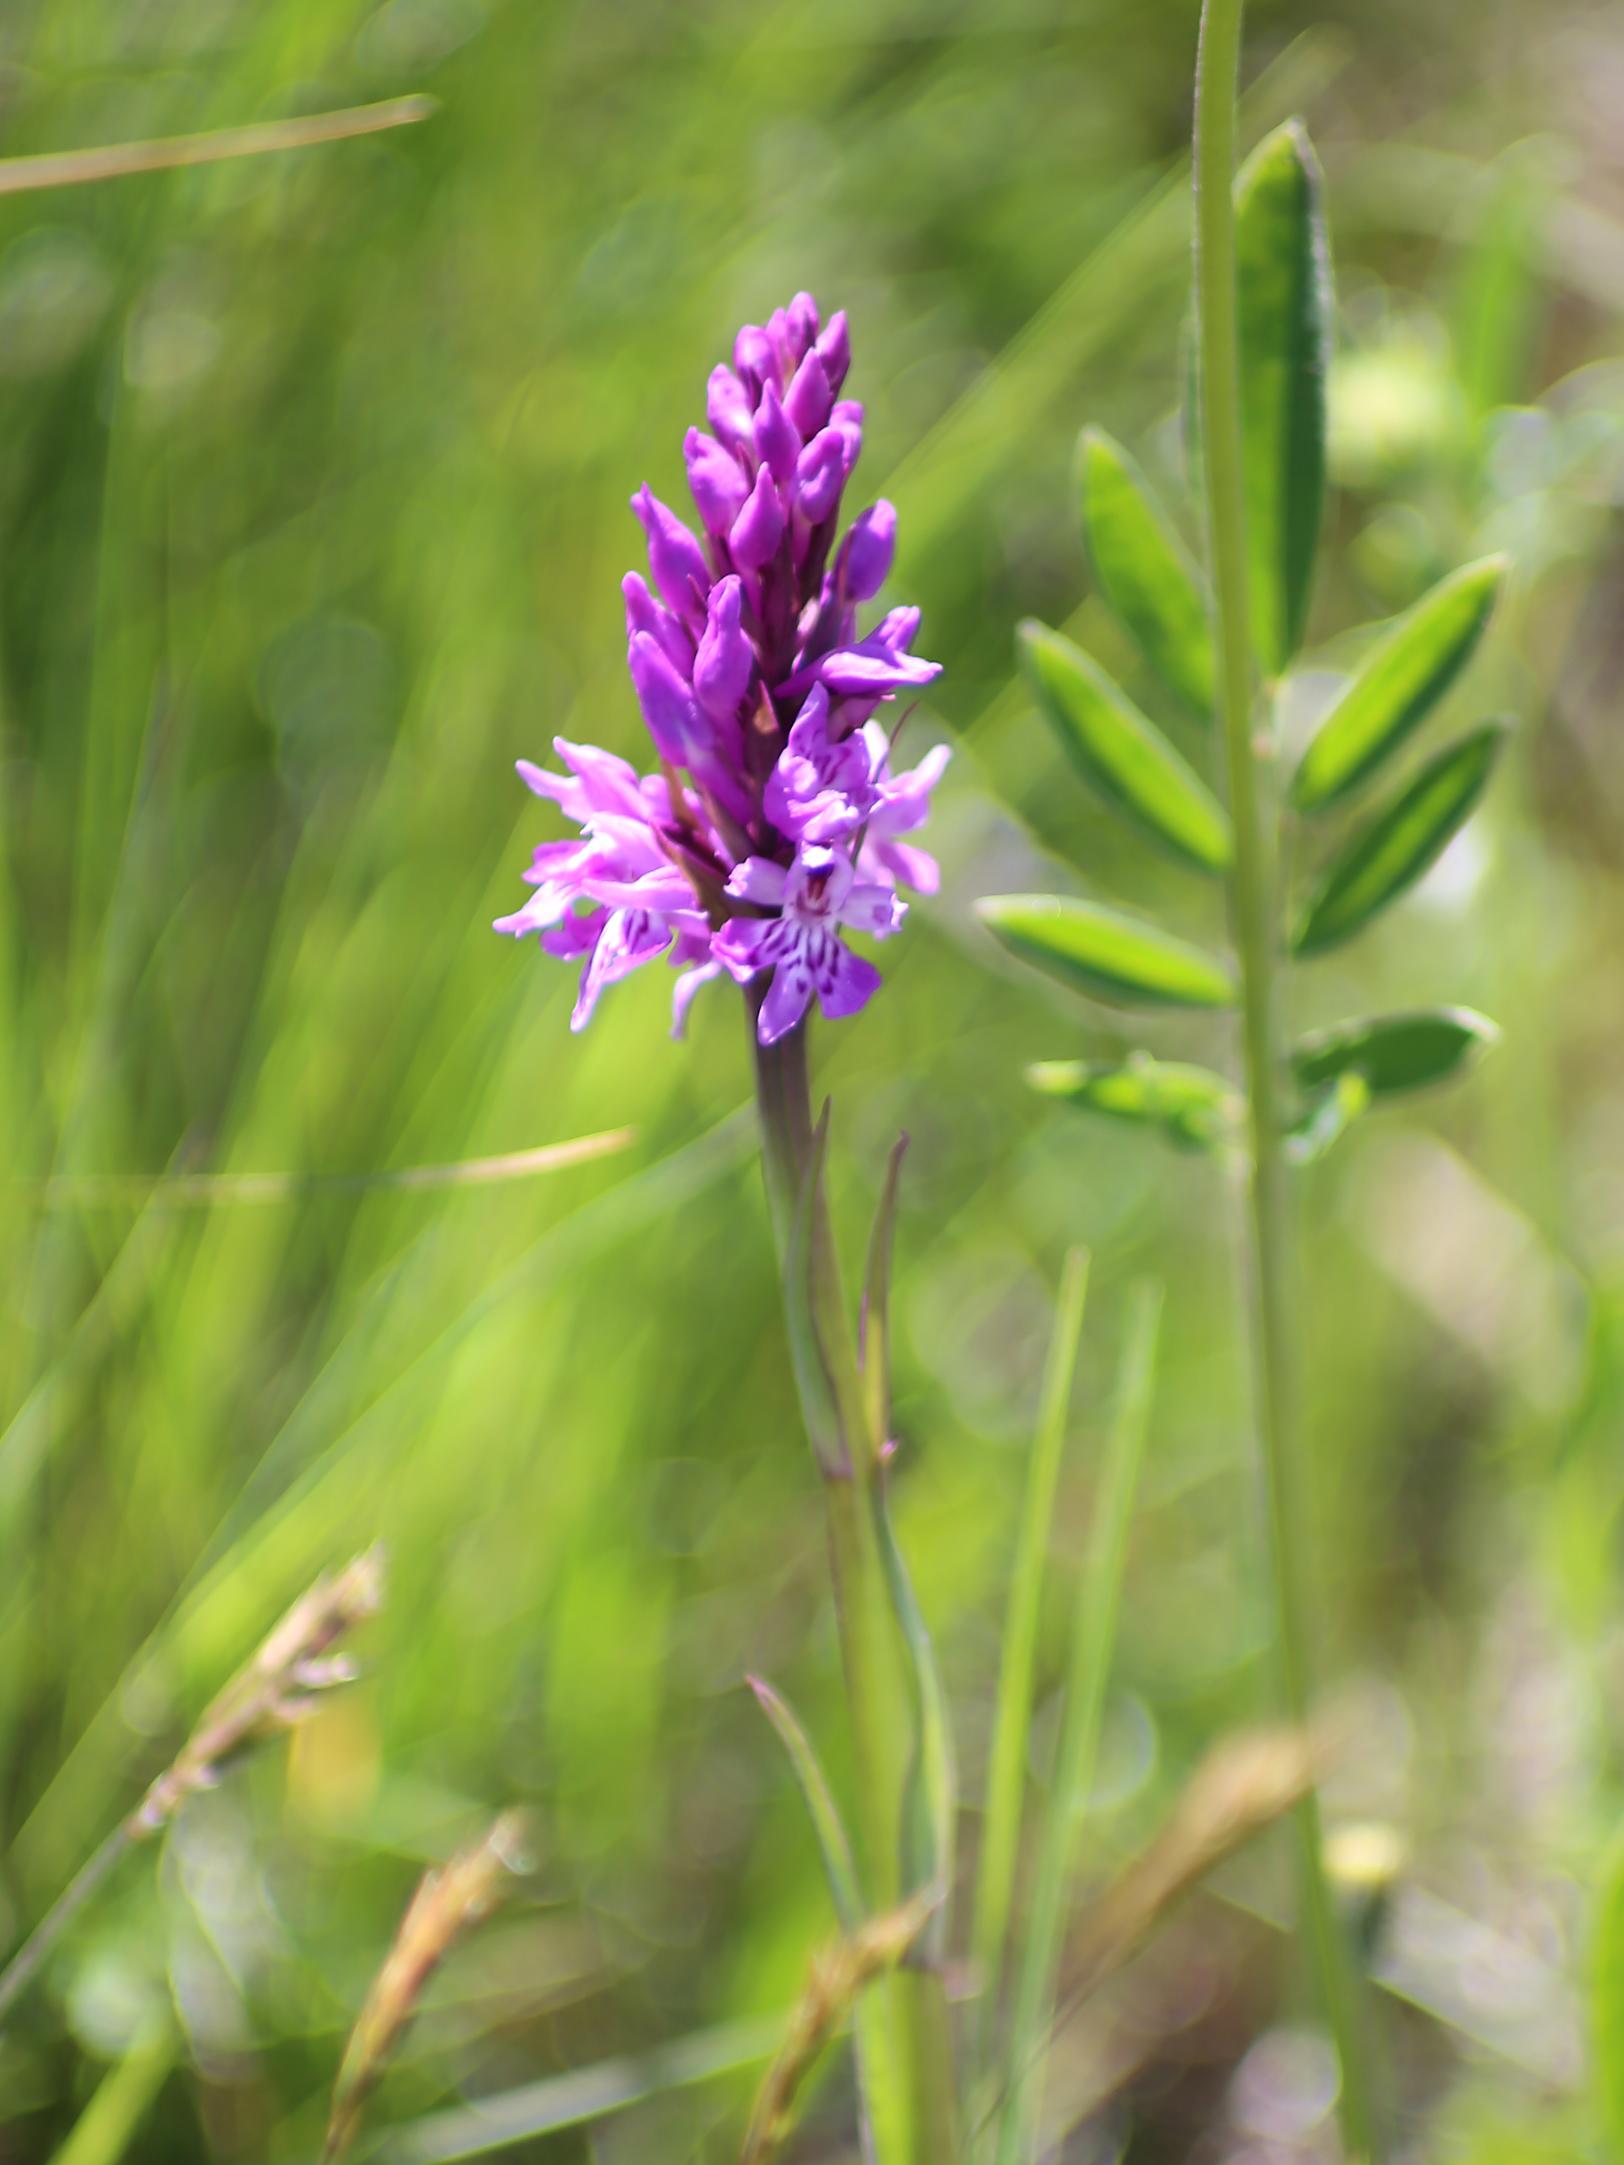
[
  {"x": 446, "y": 1903},
  {"x": 836, "y": 1976},
  {"x": 274, "y": 1691}
]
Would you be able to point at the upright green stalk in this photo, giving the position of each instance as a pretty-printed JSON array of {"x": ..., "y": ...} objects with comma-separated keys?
[
  {"x": 903, "y": 2040},
  {"x": 1252, "y": 904}
]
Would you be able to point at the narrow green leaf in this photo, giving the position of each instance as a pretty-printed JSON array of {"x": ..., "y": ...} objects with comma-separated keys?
[
  {"x": 1395, "y": 1052},
  {"x": 1398, "y": 684},
  {"x": 1144, "y": 570},
  {"x": 874, "y": 1328},
  {"x": 1001, "y": 1823},
  {"x": 1114, "y": 957},
  {"x": 1191, "y": 1105},
  {"x": 1329, "y": 1119},
  {"x": 1607, "y": 1992},
  {"x": 838, "y": 1865},
  {"x": 108, "y": 2125},
  {"x": 1088, "y": 1672},
  {"x": 1121, "y": 753},
  {"x": 819, "y": 1395},
  {"x": 931, "y": 1807},
  {"x": 1283, "y": 299},
  {"x": 1385, "y": 859}
]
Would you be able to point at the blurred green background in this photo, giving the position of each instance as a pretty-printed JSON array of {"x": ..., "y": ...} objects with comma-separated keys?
[{"x": 313, "y": 482}]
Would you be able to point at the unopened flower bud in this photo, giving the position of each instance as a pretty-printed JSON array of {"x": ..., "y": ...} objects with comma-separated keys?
[
  {"x": 866, "y": 552},
  {"x": 834, "y": 350},
  {"x": 846, "y": 415},
  {"x": 643, "y": 613},
  {"x": 722, "y": 666},
  {"x": 754, "y": 358},
  {"x": 717, "y": 485},
  {"x": 809, "y": 398},
  {"x": 667, "y": 703},
  {"x": 802, "y": 319},
  {"x": 729, "y": 411},
  {"x": 759, "y": 527},
  {"x": 675, "y": 558},
  {"x": 820, "y": 475},
  {"x": 777, "y": 440}
]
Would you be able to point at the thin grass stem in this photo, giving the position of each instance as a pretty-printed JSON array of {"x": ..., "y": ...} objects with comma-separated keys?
[
  {"x": 1253, "y": 916},
  {"x": 114, "y": 161},
  {"x": 105, "y": 2129},
  {"x": 1001, "y": 1825},
  {"x": 1087, "y": 1674},
  {"x": 91, "y": 1877}
]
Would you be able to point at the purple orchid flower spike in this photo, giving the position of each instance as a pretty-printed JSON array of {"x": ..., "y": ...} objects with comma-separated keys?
[{"x": 775, "y": 825}]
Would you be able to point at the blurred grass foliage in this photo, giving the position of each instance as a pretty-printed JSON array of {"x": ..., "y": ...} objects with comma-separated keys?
[{"x": 313, "y": 482}]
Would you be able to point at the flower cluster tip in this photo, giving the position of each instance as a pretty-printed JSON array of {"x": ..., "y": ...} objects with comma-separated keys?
[{"x": 776, "y": 820}]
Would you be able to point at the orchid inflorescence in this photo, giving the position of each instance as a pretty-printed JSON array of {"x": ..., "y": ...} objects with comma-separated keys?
[{"x": 776, "y": 818}]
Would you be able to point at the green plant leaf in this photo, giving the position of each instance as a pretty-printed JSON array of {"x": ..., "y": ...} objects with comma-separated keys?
[
  {"x": 1121, "y": 753},
  {"x": 1088, "y": 1671},
  {"x": 1328, "y": 1119},
  {"x": 1398, "y": 684},
  {"x": 1144, "y": 570},
  {"x": 838, "y": 1865},
  {"x": 820, "y": 1342},
  {"x": 1001, "y": 1821},
  {"x": 931, "y": 1805},
  {"x": 874, "y": 1326},
  {"x": 1607, "y": 1992},
  {"x": 1114, "y": 957},
  {"x": 1394, "y": 1053},
  {"x": 1191, "y": 1105},
  {"x": 1283, "y": 299},
  {"x": 1386, "y": 858}
]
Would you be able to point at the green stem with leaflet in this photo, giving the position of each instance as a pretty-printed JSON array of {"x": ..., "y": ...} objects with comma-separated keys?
[{"x": 1252, "y": 908}]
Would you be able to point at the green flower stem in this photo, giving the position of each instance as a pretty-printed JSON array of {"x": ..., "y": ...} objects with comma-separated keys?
[
  {"x": 904, "y": 2042},
  {"x": 1252, "y": 903}
]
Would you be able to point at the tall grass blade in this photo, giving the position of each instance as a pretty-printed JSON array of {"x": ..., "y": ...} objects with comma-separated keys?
[
  {"x": 1001, "y": 1825},
  {"x": 1088, "y": 1671},
  {"x": 109, "y": 2123},
  {"x": 838, "y": 1865}
]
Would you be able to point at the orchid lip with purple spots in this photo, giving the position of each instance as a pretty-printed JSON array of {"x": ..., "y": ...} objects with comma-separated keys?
[{"x": 774, "y": 824}]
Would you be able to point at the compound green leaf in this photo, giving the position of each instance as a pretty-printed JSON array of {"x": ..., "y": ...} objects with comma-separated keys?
[
  {"x": 1122, "y": 754},
  {"x": 1394, "y": 1053},
  {"x": 1144, "y": 570},
  {"x": 1398, "y": 684},
  {"x": 1192, "y": 1106},
  {"x": 1283, "y": 297},
  {"x": 1115, "y": 958},
  {"x": 1386, "y": 858}
]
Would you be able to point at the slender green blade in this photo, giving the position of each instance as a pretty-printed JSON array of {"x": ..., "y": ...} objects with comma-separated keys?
[
  {"x": 874, "y": 1334},
  {"x": 1144, "y": 571},
  {"x": 1328, "y": 1119},
  {"x": 1398, "y": 684},
  {"x": 824, "y": 1813},
  {"x": 507, "y": 2117},
  {"x": 1385, "y": 859},
  {"x": 1115, "y": 958},
  {"x": 1121, "y": 752},
  {"x": 1087, "y": 1674},
  {"x": 1607, "y": 1993},
  {"x": 1001, "y": 1825},
  {"x": 930, "y": 1809},
  {"x": 1283, "y": 299},
  {"x": 1192, "y": 1106},
  {"x": 111, "y": 2121},
  {"x": 1395, "y": 1053}
]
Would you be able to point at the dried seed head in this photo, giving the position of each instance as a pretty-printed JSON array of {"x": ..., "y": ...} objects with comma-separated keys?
[
  {"x": 274, "y": 1690},
  {"x": 446, "y": 1903}
]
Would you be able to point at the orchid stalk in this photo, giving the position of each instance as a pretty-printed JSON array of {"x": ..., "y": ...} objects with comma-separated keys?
[{"x": 774, "y": 827}]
